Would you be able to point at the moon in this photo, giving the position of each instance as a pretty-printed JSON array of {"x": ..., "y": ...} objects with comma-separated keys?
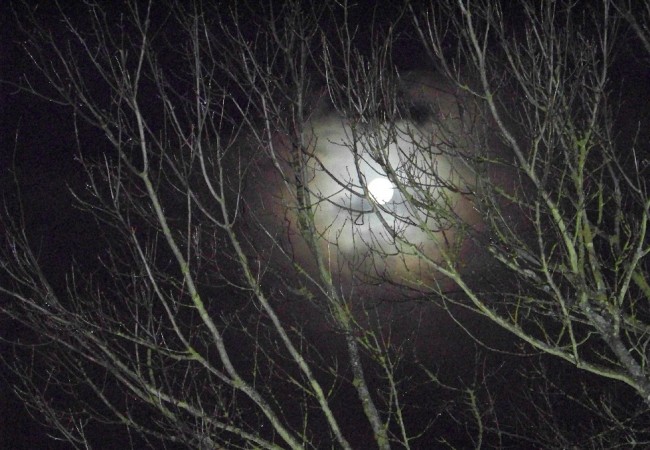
[{"x": 381, "y": 190}]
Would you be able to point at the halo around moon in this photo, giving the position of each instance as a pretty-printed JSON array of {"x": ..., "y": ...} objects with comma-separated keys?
[{"x": 424, "y": 150}]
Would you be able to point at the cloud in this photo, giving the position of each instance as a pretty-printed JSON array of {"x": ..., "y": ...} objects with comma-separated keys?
[{"x": 424, "y": 154}]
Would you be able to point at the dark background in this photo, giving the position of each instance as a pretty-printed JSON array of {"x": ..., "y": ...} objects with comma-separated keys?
[{"x": 36, "y": 149}]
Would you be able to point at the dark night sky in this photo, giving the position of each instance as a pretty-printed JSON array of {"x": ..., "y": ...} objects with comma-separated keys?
[
  {"x": 43, "y": 160},
  {"x": 45, "y": 163}
]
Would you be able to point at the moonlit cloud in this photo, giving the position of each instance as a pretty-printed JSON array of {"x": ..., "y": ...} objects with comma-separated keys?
[{"x": 412, "y": 167}]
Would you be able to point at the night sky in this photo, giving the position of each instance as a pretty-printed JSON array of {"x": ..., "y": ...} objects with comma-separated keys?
[{"x": 43, "y": 161}]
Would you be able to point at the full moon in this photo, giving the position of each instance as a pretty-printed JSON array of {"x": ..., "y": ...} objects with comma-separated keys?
[{"x": 381, "y": 190}]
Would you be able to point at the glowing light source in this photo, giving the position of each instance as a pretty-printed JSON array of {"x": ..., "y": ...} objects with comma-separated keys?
[{"x": 381, "y": 190}]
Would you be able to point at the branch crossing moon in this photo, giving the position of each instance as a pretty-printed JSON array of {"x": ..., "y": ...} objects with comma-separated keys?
[{"x": 381, "y": 190}]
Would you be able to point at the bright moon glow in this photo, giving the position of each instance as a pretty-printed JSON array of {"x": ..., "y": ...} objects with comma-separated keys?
[{"x": 381, "y": 190}]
